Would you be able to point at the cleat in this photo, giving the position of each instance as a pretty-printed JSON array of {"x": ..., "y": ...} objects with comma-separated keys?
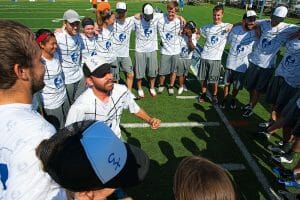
[
  {"x": 248, "y": 112},
  {"x": 223, "y": 104},
  {"x": 243, "y": 108},
  {"x": 233, "y": 104},
  {"x": 160, "y": 89},
  {"x": 171, "y": 91},
  {"x": 180, "y": 90},
  {"x": 141, "y": 94},
  {"x": 185, "y": 88},
  {"x": 264, "y": 134},
  {"x": 202, "y": 97},
  {"x": 285, "y": 158},
  {"x": 266, "y": 124},
  {"x": 152, "y": 92}
]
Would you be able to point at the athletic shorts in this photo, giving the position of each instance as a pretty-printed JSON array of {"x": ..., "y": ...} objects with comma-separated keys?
[
  {"x": 183, "y": 67},
  {"x": 258, "y": 78},
  {"x": 125, "y": 64},
  {"x": 209, "y": 70},
  {"x": 291, "y": 112},
  {"x": 115, "y": 70},
  {"x": 146, "y": 62},
  {"x": 279, "y": 93},
  {"x": 235, "y": 78},
  {"x": 168, "y": 64}
]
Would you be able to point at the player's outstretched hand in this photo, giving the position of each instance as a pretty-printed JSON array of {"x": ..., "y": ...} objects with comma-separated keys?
[{"x": 154, "y": 123}]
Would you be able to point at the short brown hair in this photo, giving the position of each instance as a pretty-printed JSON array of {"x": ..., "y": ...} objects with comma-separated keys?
[
  {"x": 17, "y": 46},
  {"x": 218, "y": 8},
  {"x": 199, "y": 178}
]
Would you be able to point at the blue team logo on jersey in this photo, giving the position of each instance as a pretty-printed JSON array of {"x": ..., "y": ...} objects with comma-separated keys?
[
  {"x": 265, "y": 43},
  {"x": 169, "y": 36},
  {"x": 239, "y": 49},
  {"x": 107, "y": 44},
  {"x": 122, "y": 37},
  {"x": 93, "y": 53},
  {"x": 74, "y": 57},
  {"x": 147, "y": 32},
  {"x": 289, "y": 61},
  {"x": 184, "y": 52},
  {"x": 58, "y": 82},
  {"x": 214, "y": 40}
]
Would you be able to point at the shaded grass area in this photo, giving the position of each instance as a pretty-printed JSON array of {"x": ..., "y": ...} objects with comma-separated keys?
[{"x": 167, "y": 146}]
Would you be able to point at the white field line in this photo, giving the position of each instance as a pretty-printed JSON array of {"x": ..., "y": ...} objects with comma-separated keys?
[
  {"x": 187, "y": 97},
  {"x": 171, "y": 124},
  {"x": 252, "y": 163}
]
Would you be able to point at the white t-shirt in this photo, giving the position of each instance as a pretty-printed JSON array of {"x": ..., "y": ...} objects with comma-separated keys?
[
  {"x": 70, "y": 53},
  {"x": 88, "y": 46},
  {"x": 241, "y": 42},
  {"x": 169, "y": 34},
  {"x": 54, "y": 93},
  {"x": 271, "y": 40},
  {"x": 289, "y": 67},
  {"x": 122, "y": 32},
  {"x": 146, "y": 34},
  {"x": 22, "y": 130},
  {"x": 184, "y": 49},
  {"x": 105, "y": 46},
  {"x": 216, "y": 37},
  {"x": 89, "y": 107}
]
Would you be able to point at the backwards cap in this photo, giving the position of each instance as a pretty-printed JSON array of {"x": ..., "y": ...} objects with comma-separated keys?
[{"x": 87, "y": 156}]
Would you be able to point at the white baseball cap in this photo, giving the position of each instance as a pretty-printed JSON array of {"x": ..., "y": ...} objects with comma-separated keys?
[
  {"x": 71, "y": 16},
  {"x": 96, "y": 66},
  {"x": 148, "y": 12},
  {"x": 251, "y": 13},
  {"x": 280, "y": 11},
  {"x": 121, "y": 7}
]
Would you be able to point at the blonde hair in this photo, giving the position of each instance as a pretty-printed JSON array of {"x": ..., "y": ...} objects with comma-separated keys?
[{"x": 198, "y": 178}]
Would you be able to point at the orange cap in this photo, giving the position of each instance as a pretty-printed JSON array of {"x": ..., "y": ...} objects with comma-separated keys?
[{"x": 103, "y": 6}]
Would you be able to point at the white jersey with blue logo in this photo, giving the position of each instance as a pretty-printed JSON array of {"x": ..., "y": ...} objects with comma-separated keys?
[
  {"x": 169, "y": 35},
  {"x": 54, "y": 93},
  {"x": 105, "y": 47},
  {"x": 88, "y": 46},
  {"x": 122, "y": 32},
  {"x": 184, "y": 49},
  {"x": 271, "y": 40},
  {"x": 22, "y": 130},
  {"x": 289, "y": 67},
  {"x": 89, "y": 107},
  {"x": 146, "y": 34},
  {"x": 241, "y": 43},
  {"x": 70, "y": 56},
  {"x": 216, "y": 37}
]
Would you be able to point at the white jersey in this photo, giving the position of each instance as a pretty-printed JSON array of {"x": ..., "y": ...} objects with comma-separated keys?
[
  {"x": 54, "y": 93},
  {"x": 169, "y": 34},
  {"x": 122, "y": 32},
  {"x": 105, "y": 47},
  {"x": 241, "y": 43},
  {"x": 70, "y": 53},
  {"x": 271, "y": 40},
  {"x": 146, "y": 34},
  {"x": 89, "y": 107},
  {"x": 216, "y": 37},
  {"x": 184, "y": 49},
  {"x": 88, "y": 46},
  {"x": 289, "y": 67},
  {"x": 22, "y": 130}
]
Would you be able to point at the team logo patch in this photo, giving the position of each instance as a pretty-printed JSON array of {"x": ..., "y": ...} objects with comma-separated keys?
[
  {"x": 107, "y": 45},
  {"x": 58, "y": 82},
  {"x": 147, "y": 32},
  {"x": 74, "y": 57},
  {"x": 265, "y": 43},
  {"x": 169, "y": 36},
  {"x": 184, "y": 52},
  {"x": 239, "y": 48},
  {"x": 122, "y": 37},
  {"x": 114, "y": 160},
  {"x": 214, "y": 40},
  {"x": 289, "y": 61}
]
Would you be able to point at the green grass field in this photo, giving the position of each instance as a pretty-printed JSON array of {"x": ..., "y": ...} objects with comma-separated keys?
[{"x": 167, "y": 146}]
